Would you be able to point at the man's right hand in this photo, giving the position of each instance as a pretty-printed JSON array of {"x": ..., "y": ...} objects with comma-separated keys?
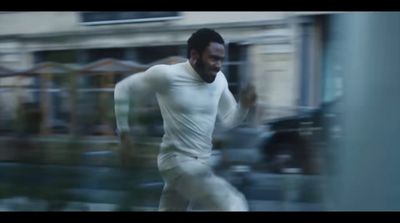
[{"x": 126, "y": 147}]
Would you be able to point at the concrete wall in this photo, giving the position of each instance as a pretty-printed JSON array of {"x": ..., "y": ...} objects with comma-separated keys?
[
  {"x": 274, "y": 79},
  {"x": 365, "y": 175}
]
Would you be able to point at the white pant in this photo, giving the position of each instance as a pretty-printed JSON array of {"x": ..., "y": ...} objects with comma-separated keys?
[{"x": 192, "y": 180}]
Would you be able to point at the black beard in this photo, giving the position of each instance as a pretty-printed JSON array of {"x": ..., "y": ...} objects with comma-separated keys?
[{"x": 200, "y": 68}]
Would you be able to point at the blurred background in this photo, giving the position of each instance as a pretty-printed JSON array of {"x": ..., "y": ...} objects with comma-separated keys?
[{"x": 323, "y": 135}]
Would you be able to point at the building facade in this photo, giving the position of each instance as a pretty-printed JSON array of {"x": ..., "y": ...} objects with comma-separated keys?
[{"x": 276, "y": 51}]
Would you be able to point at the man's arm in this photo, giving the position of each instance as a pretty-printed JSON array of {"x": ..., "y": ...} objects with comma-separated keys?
[
  {"x": 232, "y": 113},
  {"x": 136, "y": 85}
]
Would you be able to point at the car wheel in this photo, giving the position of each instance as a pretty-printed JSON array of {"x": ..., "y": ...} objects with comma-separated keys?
[
  {"x": 282, "y": 158},
  {"x": 287, "y": 151}
]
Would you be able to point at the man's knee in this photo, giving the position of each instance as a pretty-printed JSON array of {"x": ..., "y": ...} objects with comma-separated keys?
[
  {"x": 226, "y": 200},
  {"x": 238, "y": 202}
]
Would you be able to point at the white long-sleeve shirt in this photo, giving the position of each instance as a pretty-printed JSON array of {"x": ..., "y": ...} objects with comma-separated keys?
[{"x": 189, "y": 106}]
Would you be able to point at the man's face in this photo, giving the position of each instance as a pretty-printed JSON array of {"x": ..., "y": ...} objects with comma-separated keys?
[{"x": 210, "y": 61}]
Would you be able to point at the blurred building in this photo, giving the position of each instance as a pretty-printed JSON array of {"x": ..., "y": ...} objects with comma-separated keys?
[{"x": 279, "y": 52}]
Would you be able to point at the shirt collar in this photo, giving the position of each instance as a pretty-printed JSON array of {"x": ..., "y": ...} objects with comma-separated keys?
[{"x": 192, "y": 71}]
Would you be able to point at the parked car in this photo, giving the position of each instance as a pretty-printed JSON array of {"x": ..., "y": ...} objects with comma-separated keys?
[{"x": 279, "y": 145}]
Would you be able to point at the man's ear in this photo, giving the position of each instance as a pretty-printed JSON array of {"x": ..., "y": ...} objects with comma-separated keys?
[{"x": 194, "y": 54}]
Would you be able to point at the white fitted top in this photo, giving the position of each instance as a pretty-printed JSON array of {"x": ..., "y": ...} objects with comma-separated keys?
[{"x": 189, "y": 106}]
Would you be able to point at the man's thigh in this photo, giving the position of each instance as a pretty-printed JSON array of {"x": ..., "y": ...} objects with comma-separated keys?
[{"x": 197, "y": 182}]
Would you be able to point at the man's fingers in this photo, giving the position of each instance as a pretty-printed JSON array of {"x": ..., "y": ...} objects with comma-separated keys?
[{"x": 248, "y": 94}]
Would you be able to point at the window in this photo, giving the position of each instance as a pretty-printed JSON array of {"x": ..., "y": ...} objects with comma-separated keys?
[
  {"x": 234, "y": 67},
  {"x": 59, "y": 56},
  {"x": 104, "y": 18},
  {"x": 147, "y": 55},
  {"x": 98, "y": 54}
]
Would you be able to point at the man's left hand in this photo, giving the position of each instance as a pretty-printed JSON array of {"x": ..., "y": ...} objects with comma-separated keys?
[{"x": 248, "y": 96}]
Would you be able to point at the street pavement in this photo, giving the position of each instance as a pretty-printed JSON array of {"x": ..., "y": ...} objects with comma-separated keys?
[{"x": 91, "y": 188}]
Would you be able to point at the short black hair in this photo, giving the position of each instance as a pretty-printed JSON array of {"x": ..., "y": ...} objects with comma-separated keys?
[{"x": 201, "y": 39}]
